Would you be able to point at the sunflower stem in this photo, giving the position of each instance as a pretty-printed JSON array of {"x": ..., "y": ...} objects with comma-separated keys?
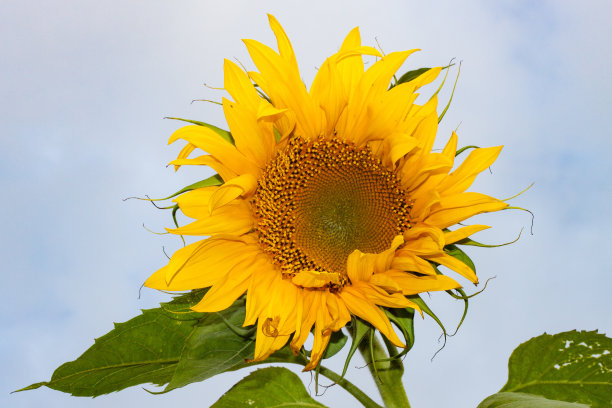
[
  {"x": 349, "y": 387},
  {"x": 387, "y": 374}
]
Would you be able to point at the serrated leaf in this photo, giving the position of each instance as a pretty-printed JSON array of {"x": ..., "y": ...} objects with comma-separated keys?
[
  {"x": 520, "y": 400},
  {"x": 571, "y": 366},
  {"x": 213, "y": 347},
  {"x": 169, "y": 345},
  {"x": 268, "y": 388},
  {"x": 145, "y": 349},
  {"x": 218, "y": 344}
]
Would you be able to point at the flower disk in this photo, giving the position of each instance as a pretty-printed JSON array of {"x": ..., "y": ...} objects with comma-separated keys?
[
  {"x": 333, "y": 204},
  {"x": 319, "y": 201}
]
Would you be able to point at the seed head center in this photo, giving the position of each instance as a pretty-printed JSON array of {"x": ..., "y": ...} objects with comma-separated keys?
[{"x": 318, "y": 201}]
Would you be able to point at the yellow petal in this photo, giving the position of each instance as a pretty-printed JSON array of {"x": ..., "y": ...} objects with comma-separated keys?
[
  {"x": 184, "y": 153},
  {"x": 453, "y": 236},
  {"x": 282, "y": 83},
  {"x": 411, "y": 284},
  {"x": 315, "y": 279},
  {"x": 424, "y": 240},
  {"x": 163, "y": 276},
  {"x": 391, "y": 113},
  {"x": 284, "y": 45},
  {"x": 451, "y": 210},
  {"x": 359, "y": 305},
  {"x": 203, "y": 263},
  {"x": 332, "y": 315},
  {"x": 210, "y": 142},
  {"x": 359, "y": 266},
  {"x": 243, "y": 185},
  {"x": 351, "y": 69},
  {"x": 462, "y": 178},
  {"x": 311, "y": 300},
  {"x": 257, "y": 299},
  {"x": 382, "y": 280},
  {"x": 423, "y": 171},
  {"x": 398, "y": 145},
  {"x": 321, "y": 339},
  {"x": 229, "y": 288},
  {"x": 206, "y": 160},
  {"x": 381, "y": 297},
  {"x": 234, "y": 218},
  {"x": 373, "y": 83},
  {"x": 421, "y": 208},
  {"x": 328, "y": 92},
  {"x": 451, "y": 148},
  {"x": 319, "y": 344},
  {"x": 239, "y": 86},
  {"x": 425, "y": 132},
  {"x": 405, "y": 260},
  {"x": 426, "y": 77},
  {"x": 278, "y": 319},
  {"x": 337, "y": 310},
  {"x": 267, "y": 112},
  {"x": 456, "y": 265},
  {"x": 437, "y": 168},
  {"x": 251, "y": 140},
  {"x": 265, "y": 343}
]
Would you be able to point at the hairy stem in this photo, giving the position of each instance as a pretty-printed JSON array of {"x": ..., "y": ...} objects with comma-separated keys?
[
  {"x": 387, "y": 374},
  {"x": 349, "y": 387}
]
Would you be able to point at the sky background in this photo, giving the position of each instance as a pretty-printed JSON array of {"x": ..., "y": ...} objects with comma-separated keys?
[{"x": 85, "y": 86}]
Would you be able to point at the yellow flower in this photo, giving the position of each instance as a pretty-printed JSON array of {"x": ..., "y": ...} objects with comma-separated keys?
[{"x": 333, "y": 203}]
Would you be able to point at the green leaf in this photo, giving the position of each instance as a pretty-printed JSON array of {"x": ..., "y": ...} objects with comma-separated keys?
[
  {"x": 424, "y": 307},
  {"x": 463, "y": 149},
  {"x": 457, "y": 253},
  {"x": 168, "y": 345},
  {"x": 410, "y": 75},
  {"x": 145, "y": 349},
  {"x": 359, "y": 331},
  {"x": 571, "y": 366},
  {"x": 469, "y": 241},
  {"x": 404, "y": 319},
  {"x": 452, "y": 94},
  {"x": 520, "y": 400},
  {"x": 221, "y": 132},
  {"x": 213, "y": 347},
  {"x": 277, "y": 135},
  {"x": 214, "y": 180},
  {"x": 268, "y": 388},
  {"x": 336, "y": 343}
]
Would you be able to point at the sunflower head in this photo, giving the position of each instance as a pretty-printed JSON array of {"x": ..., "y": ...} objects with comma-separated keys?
[
  {"x": 318, "y": 201},
  {"x": 332, "y": 206}
]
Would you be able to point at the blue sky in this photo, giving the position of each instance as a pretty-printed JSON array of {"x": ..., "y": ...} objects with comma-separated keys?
[{"x": 85, "y": 86}]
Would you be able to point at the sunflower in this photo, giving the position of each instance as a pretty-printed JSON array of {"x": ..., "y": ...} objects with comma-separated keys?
[{"x": 333, "y": 204}]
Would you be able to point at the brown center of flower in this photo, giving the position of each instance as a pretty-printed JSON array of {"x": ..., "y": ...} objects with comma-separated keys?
[{"x": 318, "y": 201}]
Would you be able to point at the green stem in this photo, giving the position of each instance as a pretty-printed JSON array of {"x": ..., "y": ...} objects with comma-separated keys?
[
  {"x": 350, "y": 387},
  {"x": 302, "y": 360},
  {"x": 387, "y": 374}
]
